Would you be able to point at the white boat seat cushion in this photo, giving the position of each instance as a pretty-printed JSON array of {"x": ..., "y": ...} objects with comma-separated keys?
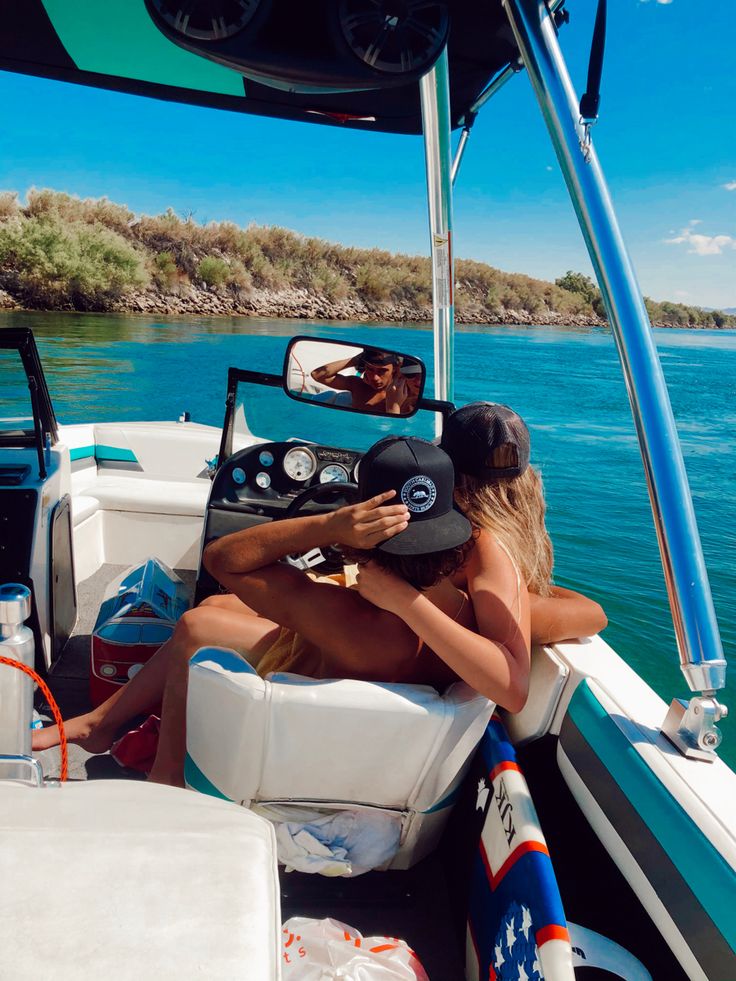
[
  {"x": 294, "y": 738},
  {"x": 122, "y": 880}
]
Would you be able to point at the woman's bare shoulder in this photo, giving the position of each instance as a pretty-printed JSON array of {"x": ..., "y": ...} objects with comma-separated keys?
[
  {"x": 489, "y": 565},
  {"x": 488, "y": 550}
]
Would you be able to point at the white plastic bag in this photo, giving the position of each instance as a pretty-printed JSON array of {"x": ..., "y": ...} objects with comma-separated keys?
[{"x": 323, "y": 950}]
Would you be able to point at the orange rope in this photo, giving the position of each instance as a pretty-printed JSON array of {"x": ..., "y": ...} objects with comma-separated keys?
[{"x": 54, "y": 709}]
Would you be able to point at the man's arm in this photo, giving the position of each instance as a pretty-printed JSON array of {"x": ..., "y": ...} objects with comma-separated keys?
[
  {"x": 247, "y": 562},
  {"x": 329, "y": 374}
]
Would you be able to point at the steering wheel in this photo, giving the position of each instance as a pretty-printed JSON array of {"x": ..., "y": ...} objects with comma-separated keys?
[{"x": 330, "y": 555}]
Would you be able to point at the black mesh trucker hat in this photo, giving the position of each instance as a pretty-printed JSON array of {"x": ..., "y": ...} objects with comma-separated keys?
[
  {"x": 424, "y": 480},
  {"x": 472, "y": 433}
]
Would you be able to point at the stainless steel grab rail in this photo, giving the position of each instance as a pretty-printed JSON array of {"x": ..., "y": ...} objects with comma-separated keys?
[
  {"x": 434, "y": 89},
  {"x": 698, "y": 639},
  {"x": 24, "y": 763}
]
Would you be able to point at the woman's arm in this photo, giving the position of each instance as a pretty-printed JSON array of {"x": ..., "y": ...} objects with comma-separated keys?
[
  {"x": 564, "y": 615},
  {"x": 495, "y": 659}
]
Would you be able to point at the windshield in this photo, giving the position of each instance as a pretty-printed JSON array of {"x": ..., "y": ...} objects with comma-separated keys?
[
  {"x": 269, "y": 414},
  {"x": 16, "y": 410},
  {"x": 265, "y": 413}
]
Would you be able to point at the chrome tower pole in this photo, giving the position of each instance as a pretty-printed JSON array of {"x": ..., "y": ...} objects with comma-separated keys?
[
  {"x": 459, "y": 153},
  {"x": 434, "y": 89},
  {"x": 698, "y": 639}
]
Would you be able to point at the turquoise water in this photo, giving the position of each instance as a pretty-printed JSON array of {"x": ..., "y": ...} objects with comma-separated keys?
[{"x": 566, "y": 383}]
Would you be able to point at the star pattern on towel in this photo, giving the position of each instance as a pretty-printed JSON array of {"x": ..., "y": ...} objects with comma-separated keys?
[
  {"x": 483, "y": 794},
  {"x": 515, "y": 953}
]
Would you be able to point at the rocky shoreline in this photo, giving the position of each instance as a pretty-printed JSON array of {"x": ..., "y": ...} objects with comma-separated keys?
[
  {"x": 301, "y": 304},
  {"x": 304, "y": 305}
]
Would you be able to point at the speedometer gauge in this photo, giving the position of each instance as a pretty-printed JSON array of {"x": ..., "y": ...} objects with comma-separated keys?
[
  {"x": 300, "y": 463},
  {"x": 334, "y": 474}
]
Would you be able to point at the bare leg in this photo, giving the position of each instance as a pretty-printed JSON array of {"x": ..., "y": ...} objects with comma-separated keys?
[
  {"x": 227, "y": 601},
  {"x": 205, "y": 626},
  {"x": 95, "y": 731}
]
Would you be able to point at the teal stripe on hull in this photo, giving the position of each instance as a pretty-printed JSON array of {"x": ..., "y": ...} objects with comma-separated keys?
[
  {"x": 195, "y": 779},
  {"x": 81, "y": 452},
  {"x": 705, "y": 870},
  {"x": 103, "y": 452}
]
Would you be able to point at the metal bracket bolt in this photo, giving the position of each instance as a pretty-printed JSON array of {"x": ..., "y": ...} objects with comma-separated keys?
[{"x": 692, "y": 726}]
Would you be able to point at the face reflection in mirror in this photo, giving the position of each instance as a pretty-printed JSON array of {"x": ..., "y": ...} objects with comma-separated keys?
[{"x": 364, "y": 379}]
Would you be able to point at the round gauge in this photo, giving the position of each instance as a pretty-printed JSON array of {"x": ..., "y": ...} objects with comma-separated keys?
[
  {"x": 355, "y": 471},
  {"x": 334, "y": 474},
  {"x": 263, "y": 480},
  {"x": 265, "y": 458},
  {"x": 300, "y": 463},
  {"x": 239, "y": 475}
]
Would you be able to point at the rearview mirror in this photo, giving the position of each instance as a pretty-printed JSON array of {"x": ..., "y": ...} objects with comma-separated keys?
[{"x": 358, "y": 378}]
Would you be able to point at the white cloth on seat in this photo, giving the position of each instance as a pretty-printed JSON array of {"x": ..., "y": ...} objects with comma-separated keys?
[
  {"x": 124, "y": 880},
  {"x": 340, "y": 843},
  {"x": 394, "y": 746}
]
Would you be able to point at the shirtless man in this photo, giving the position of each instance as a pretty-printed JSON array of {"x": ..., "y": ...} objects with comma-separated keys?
[
  {"x": 381, "y": 385},
  {"x": 405, "y": 621}
]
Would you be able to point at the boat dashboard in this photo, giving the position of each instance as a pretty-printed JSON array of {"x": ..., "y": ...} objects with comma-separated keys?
[
  {"x": 259, "y": 483},
  {"x": 265, "y": 479}
]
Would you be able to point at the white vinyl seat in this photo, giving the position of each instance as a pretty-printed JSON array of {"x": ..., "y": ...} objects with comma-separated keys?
[
  {"x": 333, "y": 743},
  {"x": 123, "y": 880}
]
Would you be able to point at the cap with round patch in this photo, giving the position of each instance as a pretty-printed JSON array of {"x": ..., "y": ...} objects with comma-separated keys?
[{"x": 424, "y": 480}]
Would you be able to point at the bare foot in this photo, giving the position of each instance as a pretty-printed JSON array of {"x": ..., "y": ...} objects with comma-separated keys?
[
  {"x": 168, "y": 777},
  {"x": 83, "y": 730}
]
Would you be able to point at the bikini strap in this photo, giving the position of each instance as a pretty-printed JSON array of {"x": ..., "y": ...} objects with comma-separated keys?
[{"x": 516, "y": 570}]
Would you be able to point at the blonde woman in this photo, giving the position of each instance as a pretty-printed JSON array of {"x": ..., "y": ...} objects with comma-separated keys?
[{"x": 502, "y": 495}]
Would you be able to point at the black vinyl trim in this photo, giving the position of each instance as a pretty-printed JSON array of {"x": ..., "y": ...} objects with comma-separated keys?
[
  {"x": 131, "y": 465},
  {"x": 480, "y": 46},
  {"x": 701, "y": 934},
  {"x": 27, "y": 31},
  {"x": 83, "y": 463}
]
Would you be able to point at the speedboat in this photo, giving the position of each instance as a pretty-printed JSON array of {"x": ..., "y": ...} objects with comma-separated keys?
[{"x": 592, "y": 834}]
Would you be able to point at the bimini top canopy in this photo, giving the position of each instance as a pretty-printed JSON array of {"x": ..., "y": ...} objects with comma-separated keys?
[{"x": 341, "y": 62}]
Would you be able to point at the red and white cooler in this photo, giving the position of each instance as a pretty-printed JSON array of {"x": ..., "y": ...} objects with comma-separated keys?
[{"x": 136, "y": 617}]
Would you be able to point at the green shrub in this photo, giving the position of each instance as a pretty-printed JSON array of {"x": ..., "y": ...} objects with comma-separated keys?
[
  {"x": 50, "y": 263},
  {"x": 213, "y": 271},
  {"x": 9, "y": 207},
  {"x": 329, "y": 283},
  {"x": 164, "y": 270},
  {"x": 239, "y": 278},
  {"x": 370, "y": 283}
]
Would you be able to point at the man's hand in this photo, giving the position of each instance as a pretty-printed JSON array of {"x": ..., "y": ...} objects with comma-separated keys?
[
  {"x": 384, "y": 589},
  {"x": 368, "y": 523}
]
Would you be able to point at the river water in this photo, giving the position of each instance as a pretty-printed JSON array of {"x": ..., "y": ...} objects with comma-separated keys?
[{"x": 568, "y": 386}]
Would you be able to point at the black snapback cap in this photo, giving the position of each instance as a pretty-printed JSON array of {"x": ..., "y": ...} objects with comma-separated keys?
[
  {"x": 424, "y": 480},
  {"x": 473, "y": 433}
]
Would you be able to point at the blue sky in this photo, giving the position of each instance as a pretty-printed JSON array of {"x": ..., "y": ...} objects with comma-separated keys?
[{"x": 666, "y": 139}]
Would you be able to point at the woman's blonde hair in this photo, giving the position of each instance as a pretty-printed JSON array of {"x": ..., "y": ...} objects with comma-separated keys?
[{"x": 513, "y": 512}]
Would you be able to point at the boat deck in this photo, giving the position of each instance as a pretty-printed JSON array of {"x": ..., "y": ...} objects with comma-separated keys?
[
  {"x": 69, "y": 682},
  {"x": 416, "y": 905}
]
